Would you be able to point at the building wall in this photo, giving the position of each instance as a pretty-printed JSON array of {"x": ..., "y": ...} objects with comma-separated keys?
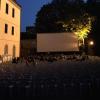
[
  {"x": 28, "y": 47},
  {"x": 8, "y": 38}
]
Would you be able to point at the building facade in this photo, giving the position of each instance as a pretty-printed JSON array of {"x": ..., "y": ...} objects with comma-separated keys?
[
  {"x": 28, "y": 44},
  {"x": 10, "y": 28}
]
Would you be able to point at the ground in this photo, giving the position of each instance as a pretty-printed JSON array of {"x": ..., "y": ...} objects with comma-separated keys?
[{"x": 72, "y": 79}]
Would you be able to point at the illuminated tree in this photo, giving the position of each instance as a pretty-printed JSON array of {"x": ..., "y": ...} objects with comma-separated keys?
[
  {"x": 80, "y": 25},
  {"x": 83, "y": 28}
]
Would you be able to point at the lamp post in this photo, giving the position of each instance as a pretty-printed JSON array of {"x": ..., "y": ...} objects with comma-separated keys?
[{"x": 90, "y": 47}]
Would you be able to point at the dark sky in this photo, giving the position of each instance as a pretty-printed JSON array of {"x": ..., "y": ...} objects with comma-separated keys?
[{"x": 29, "y": 11}]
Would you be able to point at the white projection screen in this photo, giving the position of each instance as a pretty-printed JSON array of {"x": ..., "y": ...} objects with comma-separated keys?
[{"x": 57, "y": 42}]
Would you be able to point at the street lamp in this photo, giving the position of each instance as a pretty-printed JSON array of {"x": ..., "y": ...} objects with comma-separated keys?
[
  {"x": 90, "y": 47},
  {"x": 91, "y": 43}
]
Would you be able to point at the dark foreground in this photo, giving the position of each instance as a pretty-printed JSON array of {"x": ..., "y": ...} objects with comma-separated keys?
[{"x": 72, "y": 80}]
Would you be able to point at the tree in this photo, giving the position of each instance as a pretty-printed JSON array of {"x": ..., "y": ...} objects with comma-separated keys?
[
  {"x": 68, "y": 1},
  {"x": 80, "y": 25},
  {"x": 59, "y": 10},
  {"x": 46, "y": 19}
]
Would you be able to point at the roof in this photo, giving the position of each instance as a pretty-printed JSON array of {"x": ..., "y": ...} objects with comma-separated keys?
[{"x": 15, "y": 1}]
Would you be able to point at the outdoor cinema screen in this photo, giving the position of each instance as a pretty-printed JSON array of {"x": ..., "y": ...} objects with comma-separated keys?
[{"x": 57, "y": 42}]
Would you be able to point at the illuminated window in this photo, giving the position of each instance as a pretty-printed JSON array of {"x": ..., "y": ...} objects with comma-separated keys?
[
  {"x": 12, "y": 30},
  {"x": 13, "y": 12},
  {"x": 6, "y": 49},
  {"x": 7, "y": 8},
  {"x": 14, "y": 51},
  {"x": 6, "y": 28}
]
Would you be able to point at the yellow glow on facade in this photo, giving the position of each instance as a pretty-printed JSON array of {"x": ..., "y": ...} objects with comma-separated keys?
[{"x": 9, "y": 28}]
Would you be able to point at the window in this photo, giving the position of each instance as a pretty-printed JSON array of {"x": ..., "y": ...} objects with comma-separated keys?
[
  {"x": 7, "y": 8},
  {"x": 6, "y": 28},
  {"x": 14, "y": 51},
  {"x": 13, "y": 12},
  {"x": 6, "y": 49},
  {"x": 0, "y": 4},
  {"x": 12, "y": 30}
]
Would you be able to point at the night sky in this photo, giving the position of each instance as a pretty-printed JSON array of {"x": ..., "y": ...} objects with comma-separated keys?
[{"x": 29, "y": 11}]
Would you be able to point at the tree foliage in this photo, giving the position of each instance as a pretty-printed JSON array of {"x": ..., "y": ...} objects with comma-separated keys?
[
  {"x": 81, "y": 25},
  {"x": 46, "y": 19},
  {"x": 64, "y": 15}
]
